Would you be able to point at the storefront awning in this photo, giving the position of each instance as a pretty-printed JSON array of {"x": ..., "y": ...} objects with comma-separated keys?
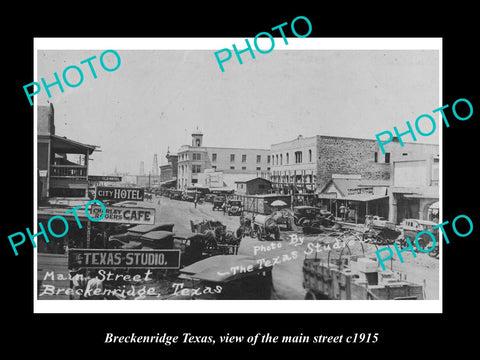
[
  {"x": 48, "y": 211},
  {"x": 364, "y": 197}
]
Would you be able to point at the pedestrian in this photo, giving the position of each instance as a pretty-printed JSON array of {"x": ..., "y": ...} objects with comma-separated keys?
[
  {"x": 94, "y": 287},
  {"x": 195, "y": 201},
  {"x": 78, "y": 282}
]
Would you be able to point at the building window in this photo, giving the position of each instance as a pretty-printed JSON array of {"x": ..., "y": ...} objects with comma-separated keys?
[
  {"x": 259, "y": 158},
  {"x": 268, "y": 159},
  {"x": 298, "y": 157},
  {"x": 287, "y": 158},
  {"x": 387, "y": 158},
  {"x": 241, "y": 186},
  {"x": 244, "y": 168},
  {"x": 214, "y": 168},
  {"x": 214, "y": 157},
  {"x": 196, "y": 169},
  {"x": 375, "y": 157},
  {"x": 244, "y": 158},
  {"x": 259, "y": 168},
  {"x": 276, "y": 156},
  {"x": 232, "y": 167},
  {"x": 404, "y": 154},
  {"x": 197, "y": 156},
  {"x": 310, "y": 155},
  {"x": 232, "y": 157},
  {"x": 268, "y": 169}
]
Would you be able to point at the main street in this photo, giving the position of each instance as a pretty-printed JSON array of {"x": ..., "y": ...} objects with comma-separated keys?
[{"x": 287, "y": 274}]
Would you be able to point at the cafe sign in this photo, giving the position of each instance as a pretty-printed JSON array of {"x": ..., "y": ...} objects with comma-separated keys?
[{"x": 123, "y": 215}]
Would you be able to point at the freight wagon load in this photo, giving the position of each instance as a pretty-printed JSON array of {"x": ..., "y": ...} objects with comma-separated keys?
[{"x": 355, "y": 277}]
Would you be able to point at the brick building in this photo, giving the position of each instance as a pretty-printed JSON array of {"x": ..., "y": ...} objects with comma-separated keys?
[{"x": 306, "y": 164}]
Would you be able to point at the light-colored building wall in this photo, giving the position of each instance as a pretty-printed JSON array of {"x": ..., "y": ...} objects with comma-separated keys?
[
  {"x": 194, "y": 159},
  {"x": 295, "y": 161}
]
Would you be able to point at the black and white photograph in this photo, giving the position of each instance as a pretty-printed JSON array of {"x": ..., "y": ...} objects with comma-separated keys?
[
  {"x": 306, "y": 175},
  {"x": 265, "y": 181}
]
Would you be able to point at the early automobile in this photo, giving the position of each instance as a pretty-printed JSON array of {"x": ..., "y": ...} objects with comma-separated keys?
[
  {"x": 189, "y": 195},
  {"x": 209, "y": 197},
  {"x": 302, "y": 213},
  {"x": 130, "y": 239},
  {"x": 157, "y": 240},
  {"x": 223, "y": 277},
  {"x": 218, "y": 203},
  {"x": 410, "y": 229},
  {"x": 176, "y": 194},
  {"x": 234, "y": 207},
  {"x": 265, "y": 227},
  {"x": 191, "y": 245}
]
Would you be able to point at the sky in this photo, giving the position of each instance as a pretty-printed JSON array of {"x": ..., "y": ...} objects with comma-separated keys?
[{"x": 157, "y": 98}]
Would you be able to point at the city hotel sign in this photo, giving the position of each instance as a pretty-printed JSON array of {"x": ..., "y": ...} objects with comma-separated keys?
[{"x": 118, "y": 193}]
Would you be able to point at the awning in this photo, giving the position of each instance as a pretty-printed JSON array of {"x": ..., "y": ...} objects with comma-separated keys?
[
  {"x": 47, "y": 212},
  {"x": 364, "y": 197}
]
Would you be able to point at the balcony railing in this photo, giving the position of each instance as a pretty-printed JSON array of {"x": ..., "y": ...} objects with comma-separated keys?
[{"x": 68, "y": 171}]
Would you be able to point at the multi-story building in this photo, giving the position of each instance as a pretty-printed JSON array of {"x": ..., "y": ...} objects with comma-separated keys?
[
  {"x": 196, "y": 158},
  {"x": 62, "y": 168},
  {"x": 414, "y": 188},
  {"x": 169, "y": 171},
  {"x": 306, "y": 164},
  {"x": 62, "y": 163}
]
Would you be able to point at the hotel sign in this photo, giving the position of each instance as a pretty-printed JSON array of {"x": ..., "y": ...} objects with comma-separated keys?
[{"x": 118, "y": 193}]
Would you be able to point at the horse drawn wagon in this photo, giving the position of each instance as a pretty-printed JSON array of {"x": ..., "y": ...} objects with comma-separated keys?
[{"x": 265, "y": 227}]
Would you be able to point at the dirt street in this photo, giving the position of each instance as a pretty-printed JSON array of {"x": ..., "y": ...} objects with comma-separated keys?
[{"x": 287, "y": 274}]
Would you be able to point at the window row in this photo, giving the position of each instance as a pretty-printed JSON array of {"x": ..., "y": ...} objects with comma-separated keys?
[
  {"x": 278, "y": 159},
  {"x": 244, "y": 158}
]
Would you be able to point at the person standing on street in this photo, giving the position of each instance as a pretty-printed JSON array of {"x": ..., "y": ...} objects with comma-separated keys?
[{"x": 195, "y": 200}]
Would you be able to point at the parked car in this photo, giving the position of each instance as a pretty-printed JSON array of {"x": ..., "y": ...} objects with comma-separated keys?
[
  {"x": 303, "y": 213},
  {"x": 213, "y": 279},
  {"x": 189, "y": 195},
  {"x": 209, "y": 197},
  {"x": 411, "y": 227},
  {"x": 218, "y": 202},
  {"x": 133, "y": 235},
  {"x": 234, "y": 207}
]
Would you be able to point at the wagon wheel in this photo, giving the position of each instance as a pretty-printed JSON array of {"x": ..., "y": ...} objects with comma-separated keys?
[
  {"x": 435, "y": 252},
  {"x": 422, "y": 242},
  {"x": 210, "y": 242},
  {"x": 260, "y": 234}
]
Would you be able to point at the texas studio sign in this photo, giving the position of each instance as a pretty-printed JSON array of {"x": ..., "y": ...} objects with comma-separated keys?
[{"x": 122, "y": 258}]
